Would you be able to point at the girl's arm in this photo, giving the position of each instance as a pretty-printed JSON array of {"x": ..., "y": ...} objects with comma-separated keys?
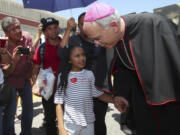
[
  {"x": 106, "y": 98},
  {"x": 10, "y": 68},
  {"x": 59, "y": 115},
  {"x": 38, "y": 37},
  {"x": 98, "y": 93}
]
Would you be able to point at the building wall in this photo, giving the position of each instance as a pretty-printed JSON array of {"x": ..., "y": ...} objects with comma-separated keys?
[
  {"x": 172, "y": 12},
  {"x": 29, "y": 18}
]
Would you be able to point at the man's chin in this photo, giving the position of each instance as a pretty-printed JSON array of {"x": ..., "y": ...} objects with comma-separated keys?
[
  {"x": 17, "y": 39},
  {"x": 55, "y": 37},
  {"x": 109, "y": 46}
]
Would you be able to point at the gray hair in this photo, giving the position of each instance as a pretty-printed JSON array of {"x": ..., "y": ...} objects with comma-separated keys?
[
  {"x": 7, "y": 21},
  {"x": 107, "y": 20}
]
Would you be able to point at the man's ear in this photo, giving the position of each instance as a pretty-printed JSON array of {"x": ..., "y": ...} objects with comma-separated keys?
[{"x": 115, "y": 25}]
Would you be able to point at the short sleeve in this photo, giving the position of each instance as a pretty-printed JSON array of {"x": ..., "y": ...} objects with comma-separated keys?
[
  {"x": 59, "y": 95},
  {"x": 37, "y": 58},
  {"x": 95, "y": 91}
]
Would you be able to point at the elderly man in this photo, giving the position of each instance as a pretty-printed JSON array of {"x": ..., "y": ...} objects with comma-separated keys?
[
  {"x": 18, "y": 73},
  {"x": 147, "y": 55}
]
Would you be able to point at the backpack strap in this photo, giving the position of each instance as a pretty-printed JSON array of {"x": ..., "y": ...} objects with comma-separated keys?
[{"x": 42, "y": 53}]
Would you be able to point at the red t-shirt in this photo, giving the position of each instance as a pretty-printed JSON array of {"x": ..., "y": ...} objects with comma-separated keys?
[{"x": 51, "y": 58}]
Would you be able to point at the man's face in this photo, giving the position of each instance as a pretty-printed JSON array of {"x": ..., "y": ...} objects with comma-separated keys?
[
  {"x": 80, "y": 25},
  {"x": 52, "y": 31},
  {"x": 104, "y": 37},
  {"x": 14, "y": 32}
]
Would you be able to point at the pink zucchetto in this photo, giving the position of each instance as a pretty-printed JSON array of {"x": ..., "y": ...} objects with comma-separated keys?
[{"x": 97, "y": 11}]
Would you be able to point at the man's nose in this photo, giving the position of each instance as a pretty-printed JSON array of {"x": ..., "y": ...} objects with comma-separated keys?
[
  {"x": 17, "y": 30},
  {"x": 82, "y": 57}
]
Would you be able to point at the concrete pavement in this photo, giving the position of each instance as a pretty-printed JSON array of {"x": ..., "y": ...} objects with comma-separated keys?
[{"x": 112, "y": 119}]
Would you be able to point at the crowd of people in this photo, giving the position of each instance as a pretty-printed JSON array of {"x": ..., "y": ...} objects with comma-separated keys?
[{"x": 140, "y": 77}]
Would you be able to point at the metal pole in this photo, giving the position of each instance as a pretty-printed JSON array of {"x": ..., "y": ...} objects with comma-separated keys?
[{"x": 70, "y": 8}]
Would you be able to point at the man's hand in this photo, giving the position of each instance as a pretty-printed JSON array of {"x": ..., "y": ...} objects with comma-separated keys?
[
  {"x": 71, "y": 23},
  {"x": 36, "y": 90},
  {"x": 121, "y": 104},
  {"x": 16, "y": 56},
  {"x": 5, "y": 55},
  {"x": 9, "y": 69}
]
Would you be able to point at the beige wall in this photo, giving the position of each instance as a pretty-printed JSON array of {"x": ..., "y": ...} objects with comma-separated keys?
[{"x": 172, "y": 12}]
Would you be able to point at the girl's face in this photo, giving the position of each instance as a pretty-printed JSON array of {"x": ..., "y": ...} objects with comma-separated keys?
[{"x": 77, "y": 59}]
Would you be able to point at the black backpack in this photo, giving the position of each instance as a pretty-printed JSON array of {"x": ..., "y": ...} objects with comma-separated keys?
[{"x": 42, "y": 53}]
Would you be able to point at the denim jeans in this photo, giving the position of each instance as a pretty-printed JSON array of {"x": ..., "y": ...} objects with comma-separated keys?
[{"x": 27, "y": 111}]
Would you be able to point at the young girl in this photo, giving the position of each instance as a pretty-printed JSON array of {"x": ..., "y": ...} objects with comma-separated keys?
[{"x": 75, "y": 93}]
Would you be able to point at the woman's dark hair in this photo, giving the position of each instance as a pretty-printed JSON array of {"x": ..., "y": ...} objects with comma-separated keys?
[{"x": 65, "y": 66}]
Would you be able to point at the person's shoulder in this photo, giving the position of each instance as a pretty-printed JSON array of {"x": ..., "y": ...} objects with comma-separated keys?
[
  {"x": 88, "y": 72},
  {"x": 74, "y": 39},
  {"x": 144, "y": 19},
  {"x": 140, "y": 16},
  {"x": 153, "y": 19},
  {"x": 146, "y": 15},
  {"x": 151, "y": 16}
]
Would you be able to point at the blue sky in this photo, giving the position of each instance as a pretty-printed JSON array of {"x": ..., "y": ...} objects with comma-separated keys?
[{"x": 123, "y": 6}]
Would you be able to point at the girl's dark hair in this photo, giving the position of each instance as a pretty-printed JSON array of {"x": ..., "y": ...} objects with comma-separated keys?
[{"x": 65, "y": 66}]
